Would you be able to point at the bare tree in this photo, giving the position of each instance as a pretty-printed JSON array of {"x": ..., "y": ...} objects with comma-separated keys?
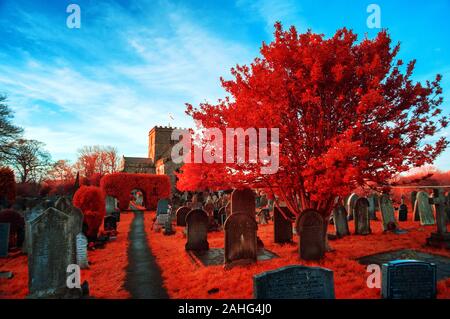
[
  {"x": 97, "y": 159},
  {"x": 29, "y": 159},
  {"x": 61, "y": 170},
  {"x": 8, "y": 132}
]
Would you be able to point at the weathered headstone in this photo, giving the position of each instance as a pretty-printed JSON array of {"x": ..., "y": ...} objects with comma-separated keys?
[
  {"x": 424, "y": 209},
  {"x": 294, "y": 282},
  {"x": 311, "y": 231},
  {"x": 408, "y": 279},
  {"x": 110, "y": 203},
  {"x": 197, "y": 230},
  {"x": 240, "y": 239},
  {"x": 403, "y": 211},
  {"x": 340, "y": 221},
  {"x": 52, "y": 251},
  {"x": 181, "y": 215},
  {"x": 4, "y": 239},
  {"x": 362, "y": 221},
  {"x": 387, "y": 212},
  {"x": 243, "y": 201},
  {"x": 351, "y": 201},
  {"x": 440, "y": 238},
  {"x": 373, "y": 204},
  {"x": 282, "y": 225},
  {"x": 82, "y": 254},
  {"x": 162, "y": 219},
  {"x": 163, "y": 206}
]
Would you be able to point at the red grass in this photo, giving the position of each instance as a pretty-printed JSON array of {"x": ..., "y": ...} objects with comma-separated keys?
[
  {"x": 106, "y": 275},
  {"x": 185, "y": 279}
]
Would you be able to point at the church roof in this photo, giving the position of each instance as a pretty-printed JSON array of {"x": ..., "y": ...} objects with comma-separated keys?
[{"x": 138, "y": 160}]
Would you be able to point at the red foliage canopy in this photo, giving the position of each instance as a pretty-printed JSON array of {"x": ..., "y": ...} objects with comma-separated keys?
[
  {"x": 7, "y": 184},
  {"x": 120, "y": 185},
  {"x": 349, "y": 115},
  {"x": 91, "y": 200}
]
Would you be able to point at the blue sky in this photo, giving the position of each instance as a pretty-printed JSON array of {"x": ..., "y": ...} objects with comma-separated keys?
[{"x": 134, "y": 62}]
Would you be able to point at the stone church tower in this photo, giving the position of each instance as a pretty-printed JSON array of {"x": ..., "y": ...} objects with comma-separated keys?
[{"x": 159, "y": 159}]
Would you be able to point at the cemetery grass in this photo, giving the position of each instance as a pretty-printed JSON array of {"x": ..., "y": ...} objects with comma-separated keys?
[
  {"x": 106, "y": 275},
  {"x": 183, "y": 278}
]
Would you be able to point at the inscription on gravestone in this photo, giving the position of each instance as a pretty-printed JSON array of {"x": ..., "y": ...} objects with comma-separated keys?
[
  {"x": 408, "y": 279},
  {"x": 294, "y": 282}
]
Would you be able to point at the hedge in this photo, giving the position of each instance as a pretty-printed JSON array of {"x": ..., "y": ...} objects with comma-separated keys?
[{"x": 120, "y": 185}]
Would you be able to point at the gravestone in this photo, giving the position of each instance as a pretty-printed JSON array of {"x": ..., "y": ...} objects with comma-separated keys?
[
  {"x": 403, "y": 211},
  {"x": 52, "y": 251},
  {"x": 163, "y": 206},
  {"x": 82, "y": 254},
  {"x": 110, "y": 203},
  {"x": 351, "y": 201},
  {"x": 4, "y": 239},
  {"x": 373, "y": 204},
  {"x": 340, "y": 221},
  {"x": 162, "y": 219},
  {"x": 362, "y": 221},
  {"x": 440, "y": 238},
  {"x": 240, "y": 239},
  {"x": 387, "y": 212},
  {"x": 294, "y": 282},
  {"x": 197, "y": 230},
  {"x": 282, "y": 225},
  {"x": 222, "y": 215},
  {"x": 310, "y": 228},
  {"x": 181, "y": 215},
  {"x": 413, "y": 199},
  {"x": 423, "y": 209},
  {"x": 408, "y": 279},
  {"x": 109, "y": 223},
  {"x": 63, "y": 204},
  {"x": 243, "y": 201},
  {"x": 29, "y": 216}
]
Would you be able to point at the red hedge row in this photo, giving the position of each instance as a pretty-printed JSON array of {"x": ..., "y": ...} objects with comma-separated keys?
[
  {"x": 120, "y": 185},
  {"x": 91, "y": 200},
  {"x": 7, "y": 184}
]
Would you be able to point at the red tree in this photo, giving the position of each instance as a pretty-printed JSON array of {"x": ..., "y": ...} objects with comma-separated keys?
[
  {"x": 120, "y": 185},
  {"x": 349, "y": 115},
  {"x": 7, "y": 184},
  {"x": 91, "y": 200}
]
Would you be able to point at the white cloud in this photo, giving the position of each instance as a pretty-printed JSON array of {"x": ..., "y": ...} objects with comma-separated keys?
[{"x": 118, "y": 101}]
